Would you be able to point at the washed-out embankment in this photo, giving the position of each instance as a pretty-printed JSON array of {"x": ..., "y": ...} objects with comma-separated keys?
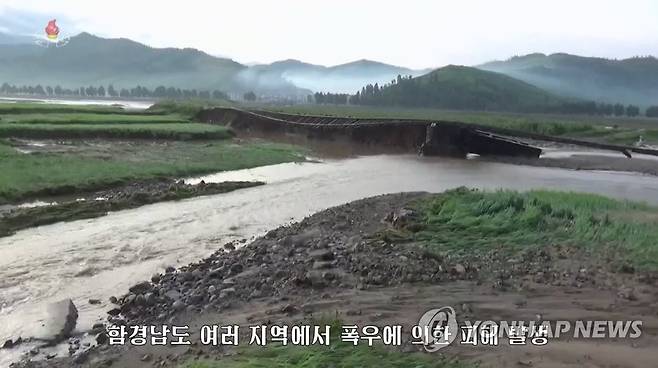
[
  {"x": 365, "y": 136},
  {"x": 400, "y": 135}
]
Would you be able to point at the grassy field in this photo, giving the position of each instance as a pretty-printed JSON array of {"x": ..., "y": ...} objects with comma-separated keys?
[
  {"x": 103, "y": 164},
  {"x": 620, "y": 130},
  {"x": 90, "y": 118},
  {"x": 55, "y": 121},
  {"x": 173, "y": 130},
  {"x": 340, "y": 355},
  {"x": 463, "y": 221}
]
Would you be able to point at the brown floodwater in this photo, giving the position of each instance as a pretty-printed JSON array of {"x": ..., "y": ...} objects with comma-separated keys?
[{"x": 99, "y": 257}]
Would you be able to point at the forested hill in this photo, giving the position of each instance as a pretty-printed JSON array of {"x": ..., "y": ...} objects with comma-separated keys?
[{"x": 460, "y": 87}]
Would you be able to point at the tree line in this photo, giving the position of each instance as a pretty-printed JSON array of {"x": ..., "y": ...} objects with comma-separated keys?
[
  {"x": 110, "y": 91},
  {"x": 373, "y": 95}
]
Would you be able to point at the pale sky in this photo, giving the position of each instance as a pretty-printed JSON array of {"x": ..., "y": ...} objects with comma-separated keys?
[{"x": 412, "y": 33}]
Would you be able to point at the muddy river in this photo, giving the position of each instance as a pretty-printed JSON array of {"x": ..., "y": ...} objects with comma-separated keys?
[{"x": 100, "y": 257}]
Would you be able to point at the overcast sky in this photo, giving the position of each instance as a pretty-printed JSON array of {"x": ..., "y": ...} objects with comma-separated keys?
[{"x": 413, "y": 33}]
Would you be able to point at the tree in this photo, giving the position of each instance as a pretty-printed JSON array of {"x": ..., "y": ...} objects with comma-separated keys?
[
  {"x": 173, "y": 92},
  {"x": 90, "y": 91},
  {"x": 219, "y": 95},
  {"x": 249, "y": 96},
  {"x": 101, "y": 91},
  {"x": 606, "y": 109},
  {"x": 356, "y": 99},
  {"x": 111, "y": 91},
  {"x": 652, "y": 112},
  {"x": 632, "y": 110},
  {"x": 619, "y": 109}
]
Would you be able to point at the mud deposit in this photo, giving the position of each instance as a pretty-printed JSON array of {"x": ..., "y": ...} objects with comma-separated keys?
[
  {"x": 337, "y": 263},
  {"x": 100, "y": 203}
]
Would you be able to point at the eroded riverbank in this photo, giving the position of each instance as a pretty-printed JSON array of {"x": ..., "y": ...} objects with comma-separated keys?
[
  {"x": 100, "y": 257},
  {"x": 340, "y": 263},
  {"x": 100, "y": 203}
]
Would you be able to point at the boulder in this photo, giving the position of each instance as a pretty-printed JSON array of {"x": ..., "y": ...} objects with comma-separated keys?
[
  {"x": 61, "y": 319},
  {"x": 101, "y": 338},
  {"x": 173, "y": 294},
  {"x": 178, "y": 306},
  {"x": 141, "y": 288},
  {"x": 322, "y": 255},
  {"x": 227, "y": 292},
  {"x": 401, "y": 217},
  {"x": 236, "y": 269},
  {"x": 150, "y": 299},
  {"x": 10, "y": 343}
]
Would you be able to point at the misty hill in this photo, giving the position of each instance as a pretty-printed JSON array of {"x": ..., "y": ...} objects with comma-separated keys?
[
  {"x": 11, "y": 39},
  {"x": 463, "y": 88},
  {"x": 344, "y": 78},
  {"x": 632, "y": 80},
  {"x": 90, "y": 60}
]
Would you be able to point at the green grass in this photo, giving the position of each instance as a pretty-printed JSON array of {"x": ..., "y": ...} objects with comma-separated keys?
[
  {"x": 175, "y": 131},
  {"x": 99, "y": 122},
  {"x": 90, "y": 118},
  {"x": 338, "y": 355},
  {"x": 619, "y": 130},
  {"x": 101, "y": 165},
  {"x": 463, "y": 221}
]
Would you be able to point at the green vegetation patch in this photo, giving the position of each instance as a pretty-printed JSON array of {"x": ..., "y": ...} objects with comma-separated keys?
[
  {"x": 464, "y": 221},
  {"x": 460, "y": 87},
  {"x": 174, "y": 131},
  {"x": 617, "y": 130},
  {"x": 339, "y": 355},
  {"x": 188, "y": 108},
  {"x": 91, "y": 118},
  {"x": 97, "y": 165}
]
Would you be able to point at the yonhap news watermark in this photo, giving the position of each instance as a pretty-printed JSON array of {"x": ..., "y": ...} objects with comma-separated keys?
[
  {"x": 436, "y": 329},
  {"x": 439, "y": 328}
]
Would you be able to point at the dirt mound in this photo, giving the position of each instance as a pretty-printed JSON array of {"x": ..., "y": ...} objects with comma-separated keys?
[{"x": 346, "y": 262}]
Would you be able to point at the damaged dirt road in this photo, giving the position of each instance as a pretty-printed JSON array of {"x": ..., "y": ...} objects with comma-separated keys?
[{"x": 361, "y": 264}]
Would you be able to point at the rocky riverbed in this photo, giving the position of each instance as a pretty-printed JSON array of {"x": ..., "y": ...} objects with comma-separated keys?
[{"x": 356, "y": 257}]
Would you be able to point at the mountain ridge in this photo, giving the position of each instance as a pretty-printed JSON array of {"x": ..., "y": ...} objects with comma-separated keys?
[
  {"x": 88, "y": 59},
  {"x": 92, "y": 60},
  {"x": 342, "y": 78},
  {"x": 630, "y": 80}
]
